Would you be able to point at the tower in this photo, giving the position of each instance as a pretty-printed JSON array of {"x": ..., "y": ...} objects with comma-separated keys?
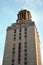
[{"x": 22, "y": 46}]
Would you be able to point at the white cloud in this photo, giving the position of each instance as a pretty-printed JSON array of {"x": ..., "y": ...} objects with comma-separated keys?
[
  {"x": 34, "y": 2},
  {"x": 31, "y": 2}
]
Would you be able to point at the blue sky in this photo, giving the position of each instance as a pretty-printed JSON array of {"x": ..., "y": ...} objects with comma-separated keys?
[{"x": 8, "y": 15}]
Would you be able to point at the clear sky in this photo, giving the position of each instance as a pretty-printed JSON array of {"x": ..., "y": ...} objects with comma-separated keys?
[{"x": 8, "y": 15}]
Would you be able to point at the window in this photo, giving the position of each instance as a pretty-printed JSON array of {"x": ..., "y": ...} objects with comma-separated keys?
[
  {"x": 25, "y": 36},
  {"x": 25, "y": 42},
  {"x": 19, "y": 47},
  {"x": 19, "y": 55},
  {"x": 25, "y": 63},
  {"x": 13, "y": 64},
  {"x": 19, "y": 52},
  {"x": 20, "y": 15},
  {"x": 13, "y": 48},
  {"x": 12, "y": 60},
  {"x": 25, "y": 32},
  {"x": 14, "y": 38},
  {"x": 18, "y": 61},
  {"x": 12, "y": 55},
  {"x": 13, "y": 52},
  {"x": 14, "y": 34},
  {"x": 25, "y": 29},
  {"x": 19, "y": 33},
  {"x": 19, "y": 43},
  {"x": 25, "y": 50},
  {"x": 14, "y": 45},
  {"x": 25, "y": 46},
  {"x": 20, "y": 30},
  {"x": 20, "y": 38},
  {"x": 24, "y": 15},
  {"x": 25, "y": 58},
  {"x": 15, "y": 31},
  {"x": 25, "y": 54}
]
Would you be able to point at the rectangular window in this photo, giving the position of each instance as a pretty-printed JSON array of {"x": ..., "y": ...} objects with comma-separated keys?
[
  {"x": 25, "y": 36},
  {"x": 20, "y": 30},
  {"x": 12, "y": 60},
  {"x": 25, "y": 63},
  {"x": 25, "y": 42},
  {"x": 19, "y": 61},
  {"x": 25, "y": 54},
  {"x": 25, "y": 58},
  {"x": 20, "y": 38},
  {"x": 20, "y": 33},
  {"x": 15, "y": 31},
  {"x": 12, "y": 63},
  {"x": 13, "y": 53},
  {"x": 19, "y": 52},
  {"x": 13, "y": 48},
  {"x": 25, "y": 29},
  {"x": 15, "y": 34},
  {"x": 25, "y": 32},
  {"x": 19, "y": 47},
  {"x": 24, "y": 15},
  {"x": 25, "y": 46},
  {"x": 14, "y": 37},
  {"x": 25, "y": 50}
]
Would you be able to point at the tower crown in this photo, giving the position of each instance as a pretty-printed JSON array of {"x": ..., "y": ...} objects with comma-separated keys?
[{"x": 24, "y": 15}]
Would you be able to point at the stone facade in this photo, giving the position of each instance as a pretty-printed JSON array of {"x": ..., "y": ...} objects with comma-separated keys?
[{"x": 28, "y": 51}]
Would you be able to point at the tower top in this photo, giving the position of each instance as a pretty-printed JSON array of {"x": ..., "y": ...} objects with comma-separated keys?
[{"x": 24, "y": 15}]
